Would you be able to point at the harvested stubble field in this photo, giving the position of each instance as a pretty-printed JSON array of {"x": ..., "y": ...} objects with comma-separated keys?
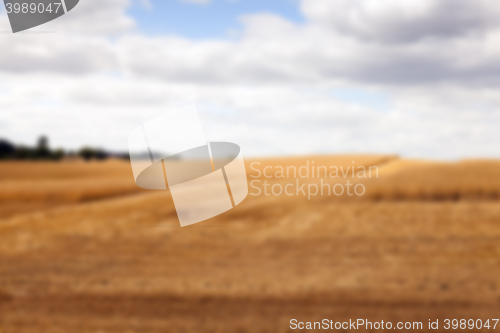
[{"x": 82, "y": 249}]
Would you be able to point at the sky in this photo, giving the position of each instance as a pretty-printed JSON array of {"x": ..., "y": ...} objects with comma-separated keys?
[
  {"x": 205, "y": 19},
  {"x": 417, "y": 78}
]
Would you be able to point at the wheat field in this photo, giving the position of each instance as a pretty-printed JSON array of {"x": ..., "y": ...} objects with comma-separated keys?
[{"x": 82, "y": 249}]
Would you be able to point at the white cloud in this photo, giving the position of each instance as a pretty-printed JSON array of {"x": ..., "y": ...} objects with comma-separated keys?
[
  {"x": 103, "y": 17},
  {"x": 272, "y": 49},
  {"x": 404, "y": 20},
  {"x": 55, "y": 53}
]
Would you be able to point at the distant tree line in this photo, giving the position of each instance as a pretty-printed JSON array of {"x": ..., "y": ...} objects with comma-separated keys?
[{"x": 9, "y": 151}]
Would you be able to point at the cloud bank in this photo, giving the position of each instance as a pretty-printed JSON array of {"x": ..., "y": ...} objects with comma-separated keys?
[{"x": 278, "y": 87}]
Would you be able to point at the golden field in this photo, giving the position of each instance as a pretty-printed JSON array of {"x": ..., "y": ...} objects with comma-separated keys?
[{"x": 82, "y": 249}]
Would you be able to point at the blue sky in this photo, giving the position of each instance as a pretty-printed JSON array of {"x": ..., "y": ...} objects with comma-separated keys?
[{"x": 200, "y": 21}]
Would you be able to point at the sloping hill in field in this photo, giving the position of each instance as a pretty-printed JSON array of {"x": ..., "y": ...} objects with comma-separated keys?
[{"x": 421, "y": 180}]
